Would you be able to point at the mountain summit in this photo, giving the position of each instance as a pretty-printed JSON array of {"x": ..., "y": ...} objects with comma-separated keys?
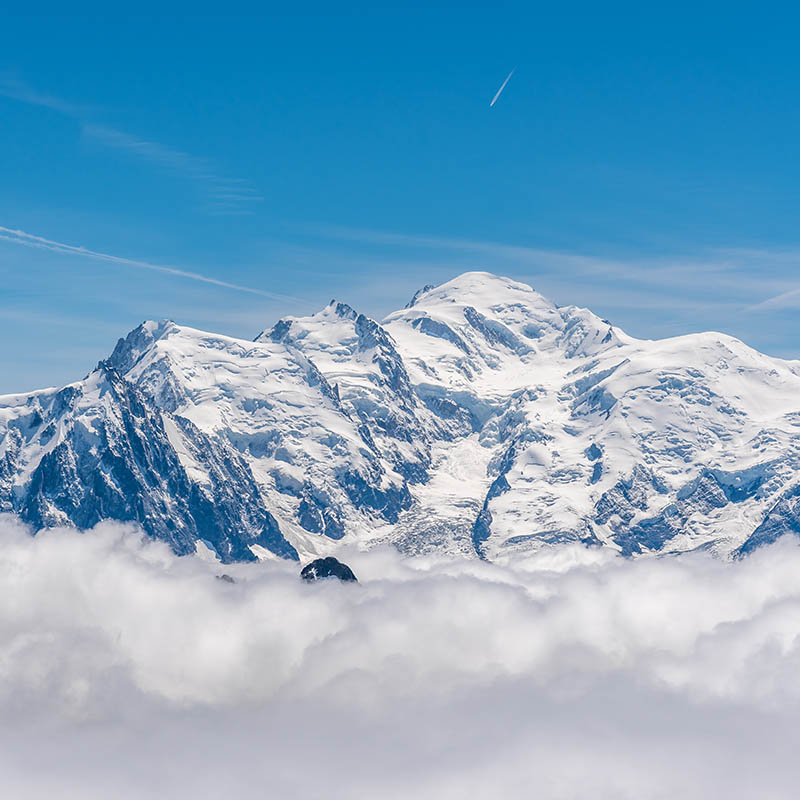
[{"x": 480, "y": 419}]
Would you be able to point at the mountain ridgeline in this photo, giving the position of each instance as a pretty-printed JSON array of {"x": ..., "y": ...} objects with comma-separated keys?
[{"x": 480, "y": 420}]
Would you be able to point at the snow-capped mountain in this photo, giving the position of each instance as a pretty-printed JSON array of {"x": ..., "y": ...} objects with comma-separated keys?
[{"x": 480, "y": 419}]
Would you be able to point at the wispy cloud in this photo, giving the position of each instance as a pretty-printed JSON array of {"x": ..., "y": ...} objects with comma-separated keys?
[
  {"x": 785, "y": 300},
  {"x": 19, "y": 90},
  {"x": 30, "y": 240},
  {"x": 224, "y": 195},
  {"x": 786, "y": 261},
  {"x": 713, "y": 267}
]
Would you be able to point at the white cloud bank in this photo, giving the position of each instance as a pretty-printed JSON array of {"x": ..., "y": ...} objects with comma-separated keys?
[{"x": 126, "y": 672}]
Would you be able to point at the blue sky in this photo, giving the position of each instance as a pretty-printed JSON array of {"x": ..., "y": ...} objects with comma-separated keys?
[{"x": 642, "y": 161}]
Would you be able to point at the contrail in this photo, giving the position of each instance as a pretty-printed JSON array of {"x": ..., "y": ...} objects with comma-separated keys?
[
  {"x": 500, "y": 90},
  {"x": 29, "y": 240}
]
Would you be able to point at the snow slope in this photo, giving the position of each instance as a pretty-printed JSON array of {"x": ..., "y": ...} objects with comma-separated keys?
[
  {"x": 480, "y": 419},
  {"x": 594, "y": 435}
]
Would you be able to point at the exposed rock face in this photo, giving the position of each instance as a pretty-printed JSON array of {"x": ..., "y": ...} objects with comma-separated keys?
[
  {"x": 329, "y": 567},
  {"x": 782, "y": 518},
  {"x": 480, "y": 420},
  {"x": 113, "y": 458}
]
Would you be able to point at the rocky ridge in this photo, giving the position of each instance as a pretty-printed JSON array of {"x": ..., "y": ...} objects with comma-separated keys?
[{"x": 481, "y": 420}]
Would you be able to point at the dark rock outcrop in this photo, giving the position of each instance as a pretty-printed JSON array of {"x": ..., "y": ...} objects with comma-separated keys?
[
  {"x": 783, "y": 518},
  {"x": 482, "y": 529},
  {"x": 329, "y": 567}
]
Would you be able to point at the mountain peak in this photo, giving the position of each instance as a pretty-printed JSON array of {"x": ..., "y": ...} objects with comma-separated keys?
[
  {"x": 426, "y": 288},
  {"x": 128, "y": 350},
  {"x": 343, "y": 310},
  {"x": 482, "y": 290}
]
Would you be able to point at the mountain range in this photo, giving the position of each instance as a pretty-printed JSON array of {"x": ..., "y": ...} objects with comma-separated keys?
[{"x": 481, "y": 419}]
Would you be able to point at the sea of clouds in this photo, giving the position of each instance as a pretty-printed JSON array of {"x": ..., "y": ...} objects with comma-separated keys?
[{"x": 126, "y": 672}]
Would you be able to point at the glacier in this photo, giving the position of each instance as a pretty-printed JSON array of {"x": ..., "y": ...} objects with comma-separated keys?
[{"x": 480, "y": 420}]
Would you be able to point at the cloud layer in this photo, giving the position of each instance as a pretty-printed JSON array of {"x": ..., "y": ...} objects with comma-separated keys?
[{"x": 126, "y": 672}]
